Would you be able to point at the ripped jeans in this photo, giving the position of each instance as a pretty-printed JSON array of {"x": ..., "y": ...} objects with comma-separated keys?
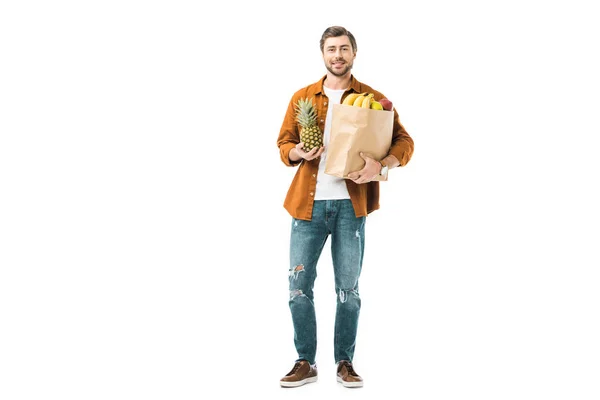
[{"x": 335, "y": 218}]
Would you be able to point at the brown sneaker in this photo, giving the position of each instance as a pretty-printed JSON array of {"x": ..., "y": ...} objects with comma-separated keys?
[
  {"x": 302, "y": 373},
  {"x": 347, "y": 376}
]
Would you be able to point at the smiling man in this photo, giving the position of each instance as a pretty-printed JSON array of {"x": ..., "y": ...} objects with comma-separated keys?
[
  {"x": 322, "y": 205},
  {"x": 339, "y": 56}
]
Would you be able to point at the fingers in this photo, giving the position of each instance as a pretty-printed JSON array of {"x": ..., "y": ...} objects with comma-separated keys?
[
  {"x": 362, "y": 176},
  {"x": 302, "y": 153},
  {"x": 311, "y": 154},
  {"x": 300, "y": 149},
  {"x": 369, "y": 172},
  {"x": 366, "y": 156},
  {"x": 361, "y": 179},
  {"x": 315, "y": 152}
]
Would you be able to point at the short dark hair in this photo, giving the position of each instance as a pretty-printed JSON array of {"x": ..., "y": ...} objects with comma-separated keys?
[{"x": 335, "y": 31}]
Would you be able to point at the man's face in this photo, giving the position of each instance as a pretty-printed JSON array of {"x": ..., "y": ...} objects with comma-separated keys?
[{"x": 338, "y": 55}]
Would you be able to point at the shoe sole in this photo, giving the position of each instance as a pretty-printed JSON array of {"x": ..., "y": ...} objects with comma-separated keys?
[
  {"x": 349, "y": 384},
  {"x": 298, "y": 383}
]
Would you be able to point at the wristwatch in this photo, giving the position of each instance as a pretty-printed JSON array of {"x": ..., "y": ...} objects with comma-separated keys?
[{"x": 384, "y": 169}]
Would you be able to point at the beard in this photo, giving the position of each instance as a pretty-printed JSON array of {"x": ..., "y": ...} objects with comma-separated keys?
[{"x": 347, "y": 67}]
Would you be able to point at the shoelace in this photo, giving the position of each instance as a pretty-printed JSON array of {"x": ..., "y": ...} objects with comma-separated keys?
[
  {"x": 350, "y": 369},
  {"x": 296, "y": 367}
]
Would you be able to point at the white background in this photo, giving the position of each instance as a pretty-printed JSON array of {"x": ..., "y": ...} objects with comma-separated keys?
[{"x": 143, "y": 241}]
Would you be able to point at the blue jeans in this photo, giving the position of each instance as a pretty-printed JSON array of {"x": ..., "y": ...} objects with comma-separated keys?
[{"x": 335, "y": 218}]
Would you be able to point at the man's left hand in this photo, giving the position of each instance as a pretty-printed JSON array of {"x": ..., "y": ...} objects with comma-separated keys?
[{"x": 369, "y": 172}]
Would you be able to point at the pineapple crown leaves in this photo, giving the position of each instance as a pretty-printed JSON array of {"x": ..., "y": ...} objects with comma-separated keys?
[{"x": 306, "y": 113}]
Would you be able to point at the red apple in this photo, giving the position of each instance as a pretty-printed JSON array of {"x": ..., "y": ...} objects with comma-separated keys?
[{"x": 387, "y": 104}]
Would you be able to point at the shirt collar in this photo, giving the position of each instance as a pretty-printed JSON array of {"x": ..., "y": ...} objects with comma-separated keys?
[{"x": 354, "y": 85}]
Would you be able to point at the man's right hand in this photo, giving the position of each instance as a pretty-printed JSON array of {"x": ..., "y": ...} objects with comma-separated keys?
[{"x": 296, "y": 154}]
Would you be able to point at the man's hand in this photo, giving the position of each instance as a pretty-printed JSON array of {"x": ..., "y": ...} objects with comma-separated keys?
[
  {"x": 296, "y": 154},
  {"x": 369, "y": 172}
]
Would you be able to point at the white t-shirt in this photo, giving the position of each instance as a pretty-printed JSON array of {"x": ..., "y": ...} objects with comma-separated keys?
[{"x": 330, "y": 187}]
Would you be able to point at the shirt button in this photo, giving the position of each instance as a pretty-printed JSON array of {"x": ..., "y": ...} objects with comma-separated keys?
[
  {"x": 314, "y": 175},
  {"x": 312, "y": 194},
  {"x": 321, "y": 121}
]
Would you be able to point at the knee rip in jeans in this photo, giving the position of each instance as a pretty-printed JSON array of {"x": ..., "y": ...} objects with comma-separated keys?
[
  {"x": 343, "y": 294},
  {"x": 295, "y": 271},
  {"x": 295, "y": 293}
]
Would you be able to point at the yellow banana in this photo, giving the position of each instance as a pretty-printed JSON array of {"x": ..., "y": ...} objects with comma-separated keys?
[
  {"x": 367, "y": 101},
  {"x": 359, "y": 100},
  {"x": 349, "y": 100}
]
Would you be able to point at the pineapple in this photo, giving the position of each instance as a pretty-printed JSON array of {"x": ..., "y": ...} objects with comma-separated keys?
[{"x": 306, "y": 115}]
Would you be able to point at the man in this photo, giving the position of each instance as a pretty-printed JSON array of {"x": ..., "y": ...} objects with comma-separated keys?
[{"x": 323, "y": 205}]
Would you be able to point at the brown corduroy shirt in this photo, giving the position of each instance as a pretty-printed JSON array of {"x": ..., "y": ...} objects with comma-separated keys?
[{"x": 300, "y": 196}]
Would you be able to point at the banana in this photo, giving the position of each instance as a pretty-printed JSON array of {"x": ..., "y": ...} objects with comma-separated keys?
[
  {"x": 359, "y": 100},
  {"x": 367, "y": 101},
  {"x": 349, "y": 100}
]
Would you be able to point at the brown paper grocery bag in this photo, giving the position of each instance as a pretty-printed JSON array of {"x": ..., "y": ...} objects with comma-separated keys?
[{"x": 355, "y": 130}]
